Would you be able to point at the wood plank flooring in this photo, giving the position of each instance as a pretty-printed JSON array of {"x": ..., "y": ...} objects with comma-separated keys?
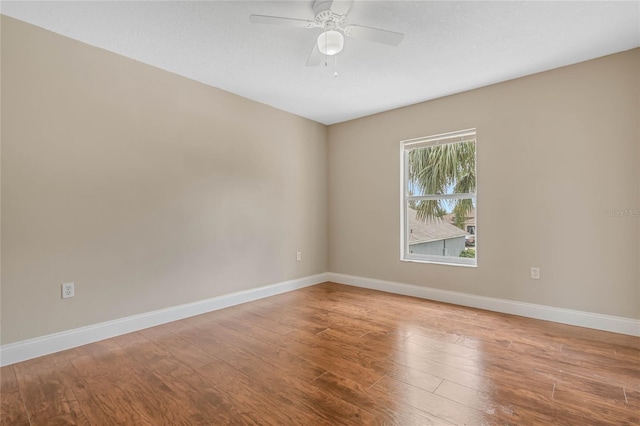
[{"x": 335, "y": 355}]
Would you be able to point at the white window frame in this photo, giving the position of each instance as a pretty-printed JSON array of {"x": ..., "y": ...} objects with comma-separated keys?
[{"x": 417, "y": 143}]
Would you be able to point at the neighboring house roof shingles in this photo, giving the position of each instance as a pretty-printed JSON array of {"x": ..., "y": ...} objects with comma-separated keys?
[{"x": 431, "y": 230}]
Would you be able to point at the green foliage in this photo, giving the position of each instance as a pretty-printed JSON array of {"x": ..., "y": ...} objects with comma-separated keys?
[
  {"x": 459, "y": 221},
  {"x": 468, "y": 252},
  {"x": 434, "y": 169},
  {"x": 434, "y": 209}
]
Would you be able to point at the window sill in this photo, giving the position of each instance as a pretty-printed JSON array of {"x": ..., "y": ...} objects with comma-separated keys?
[{"x": 435, "y": 262}]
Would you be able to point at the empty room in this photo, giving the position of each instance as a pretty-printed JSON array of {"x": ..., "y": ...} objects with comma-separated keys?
[{"x": 320, "y": 213}]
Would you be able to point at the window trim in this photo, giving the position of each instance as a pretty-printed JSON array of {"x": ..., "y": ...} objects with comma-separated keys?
[{"x": 424, "y": 142}]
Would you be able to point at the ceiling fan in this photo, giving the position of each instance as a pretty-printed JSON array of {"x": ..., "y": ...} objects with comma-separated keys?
[{"x": 331, "y": 15}]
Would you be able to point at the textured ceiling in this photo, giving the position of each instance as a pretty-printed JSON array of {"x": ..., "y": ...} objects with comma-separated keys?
[{"x": 449, "y": 47}]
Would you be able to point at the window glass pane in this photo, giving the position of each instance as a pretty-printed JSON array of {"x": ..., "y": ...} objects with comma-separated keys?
[
  {"x": 445, "y": 234},
  {"x": 442, "y": 169}
]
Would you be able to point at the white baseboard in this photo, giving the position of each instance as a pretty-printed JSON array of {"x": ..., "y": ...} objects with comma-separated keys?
[
  {"x": 614, "y": 324},
  {"x": 39, "y": 346}
]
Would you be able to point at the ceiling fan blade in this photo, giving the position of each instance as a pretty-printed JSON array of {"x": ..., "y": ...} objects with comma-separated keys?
[
  {"x": 278, "y": 20},
  {"x": 315, "y": 58},
  {"x": 341, "y": 7},
  {"x": 374, "y": 34}
]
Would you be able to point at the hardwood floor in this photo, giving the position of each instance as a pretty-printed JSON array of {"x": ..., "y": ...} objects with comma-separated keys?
[{"x": 332, "y": 354}]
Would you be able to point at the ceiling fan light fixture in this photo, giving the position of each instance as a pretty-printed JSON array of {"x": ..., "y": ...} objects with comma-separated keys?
[{"x": 330, "y": 42}]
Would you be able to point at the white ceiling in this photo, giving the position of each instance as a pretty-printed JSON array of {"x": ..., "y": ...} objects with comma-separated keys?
[{"x": 449, "y": 47}]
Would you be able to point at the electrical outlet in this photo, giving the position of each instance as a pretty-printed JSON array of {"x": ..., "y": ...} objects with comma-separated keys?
[
  {"x": 535, "y": 273},
  {"x": 67, "y": 290},
  {"x": 299, "y": 256}
]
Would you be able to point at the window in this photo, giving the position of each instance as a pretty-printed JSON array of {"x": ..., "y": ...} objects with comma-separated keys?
[{"x": 438, "y": 222}]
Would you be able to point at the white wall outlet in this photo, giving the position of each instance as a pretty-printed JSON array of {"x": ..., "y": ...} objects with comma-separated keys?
[
  {"x": 535, "y": 273},
  {"x": 299, "y": 256},
  {"x": 67, "y": 290}
]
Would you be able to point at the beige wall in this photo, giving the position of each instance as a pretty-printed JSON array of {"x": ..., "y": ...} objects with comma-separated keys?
[
  {"x": 144, "y": 188},
  {"x": 150, "y": 190},
  {"x": 555, "y": 151}
]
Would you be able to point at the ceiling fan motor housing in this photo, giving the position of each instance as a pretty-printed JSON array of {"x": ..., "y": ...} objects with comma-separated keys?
[{"x": 325, "y": 16}]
